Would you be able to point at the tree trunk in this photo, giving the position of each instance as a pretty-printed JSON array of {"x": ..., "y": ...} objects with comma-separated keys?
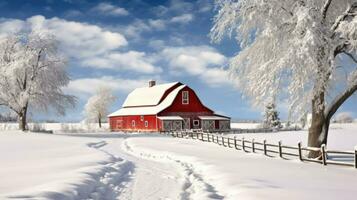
[
  {"x": 318, "y": 127},
  {"x": 22, "y": 119},
  {"x": 100, "y": 120}
]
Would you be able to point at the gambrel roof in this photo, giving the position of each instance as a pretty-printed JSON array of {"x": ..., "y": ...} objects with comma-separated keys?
[
  {"x": 146, "y": 101},
  {"x": 147, "y": 96}
]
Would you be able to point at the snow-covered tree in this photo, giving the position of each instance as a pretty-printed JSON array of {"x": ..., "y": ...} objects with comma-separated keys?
[
  {"x": 344, "y": 117},
  {"x": 32, "y": 74},
  {"x": 271, "y": 118},
  {"x": 97, "y": 106},
  {"x": 293, "y": 49}
]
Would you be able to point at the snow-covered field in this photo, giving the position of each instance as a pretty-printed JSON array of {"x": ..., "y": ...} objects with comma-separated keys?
[
  {"x": 138, "y": 166},
  {"x": 59, "y": 127},
  {"x": 341, "y": 137}
]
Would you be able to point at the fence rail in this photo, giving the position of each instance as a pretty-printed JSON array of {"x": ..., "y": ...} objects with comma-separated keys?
[{"x": 268, "y": 149}]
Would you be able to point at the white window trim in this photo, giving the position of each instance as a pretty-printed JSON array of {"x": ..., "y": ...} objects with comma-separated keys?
[
  {"x": 132, "y": 123},
  {"x": 196, "y": 124},
  {"x": 146, "y": 123},
  {"x": 185, "y": 101}
]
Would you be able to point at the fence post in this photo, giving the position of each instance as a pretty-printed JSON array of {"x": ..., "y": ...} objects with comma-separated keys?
[
  {"x": 222, "y": 140},
  {"x": 217, "y": 139},
  {"x": 235, "y": 142},
  {"x": 265, "y": 147},
  {"x": 243, "y": 145},
  {"x": 323, "y": 151},
  {"x": 355, "y": 157},
  {"x": 229, "y": 144},
  {"x": 280, "y": 150},
  {"x": 253, "y": 146},
  {"x": 300, "y": 151}
]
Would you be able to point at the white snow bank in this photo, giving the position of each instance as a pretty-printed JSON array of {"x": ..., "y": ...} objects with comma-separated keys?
[
  {"x": 237, "y": 175},
  {"x": 245, "y": 125},
  {"x": 341, "y": 137},
  {"x": 59, "y": 127},
  {"x": 42, "y": 166}
]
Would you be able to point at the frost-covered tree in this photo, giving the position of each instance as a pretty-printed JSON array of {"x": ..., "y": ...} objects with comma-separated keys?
[
  {"x": 293, "y": 49},
  {"x": 271, "y": 118},
  {"x": 96, "y": 108},
  {"x": 32, "y": 74}
]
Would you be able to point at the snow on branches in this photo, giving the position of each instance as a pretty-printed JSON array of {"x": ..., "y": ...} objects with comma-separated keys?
[
  {"x": 32, "y": 73},
  {"x": 289, "y": 48},
  {"x": 97, "y": 106},
  {"x": 271, "y": 117}
]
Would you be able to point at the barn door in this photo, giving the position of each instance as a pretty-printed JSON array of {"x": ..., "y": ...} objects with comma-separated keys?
[
  {"x": 186, "y": 123},
  {"x": 166, "y": 125},
  {"x": 208, "y": 125},
  {"x": 177, "y": 125}
]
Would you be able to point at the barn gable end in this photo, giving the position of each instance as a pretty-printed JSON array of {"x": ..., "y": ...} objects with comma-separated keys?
[{"x": 165, "y": 107}]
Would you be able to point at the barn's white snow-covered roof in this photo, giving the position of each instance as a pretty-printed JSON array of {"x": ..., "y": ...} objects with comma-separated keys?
[
  {"x": 150, "y": 110},
  {"x": 147, "y": 96}
]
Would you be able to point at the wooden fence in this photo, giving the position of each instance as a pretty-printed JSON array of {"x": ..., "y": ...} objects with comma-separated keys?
[{"x": 328, "y": 157}]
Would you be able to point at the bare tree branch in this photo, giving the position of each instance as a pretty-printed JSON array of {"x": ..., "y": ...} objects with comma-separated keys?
[
  {"x": 349, "y": 12},
  {"x": 325, "y": 9},
  {"x": 339, "y": 100}
]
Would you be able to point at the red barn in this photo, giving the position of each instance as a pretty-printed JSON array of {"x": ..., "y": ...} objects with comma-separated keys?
[{"x": 165, "y": 107}]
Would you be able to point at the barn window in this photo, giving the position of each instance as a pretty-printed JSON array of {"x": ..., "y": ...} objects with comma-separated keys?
[
  {"x": 196, "y": 122},
  {"x": 146, "y": 123},
  {"x": 133, "y": 123},
  {"x": 142, "y": 117},
  {"x": 119, "y": 123},
  {"x": 185, "y": 99}
]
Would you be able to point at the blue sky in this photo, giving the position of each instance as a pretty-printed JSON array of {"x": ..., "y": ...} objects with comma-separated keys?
[{"x": 123, "y": 44}]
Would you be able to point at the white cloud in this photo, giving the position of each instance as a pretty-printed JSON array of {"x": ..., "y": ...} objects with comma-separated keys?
[
  {"x": 78, "y": 39},
  {"x": 83, "y": 88},
  {"x": 109, "y": 9},
  {"x": 182, "y": 19},
  {"x": 132, "y": 60},
  {"x": 90, "y": 45},
  {"x": 202, "y": 61},
  {"x": 88, "y": 86},
  {"x": 135, "y": 29},
  {"x": 10, "y": 26},
  {"x": 205, "y": 5},
  {"x": 157, "y": 24}
]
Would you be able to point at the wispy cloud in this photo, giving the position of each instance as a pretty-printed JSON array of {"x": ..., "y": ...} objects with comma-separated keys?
[
  {"x": 110, "y": 9},
  {"x": 182, "y": 19}
]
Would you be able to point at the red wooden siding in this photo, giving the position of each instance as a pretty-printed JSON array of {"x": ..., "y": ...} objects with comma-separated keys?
[
  {"x": 193, "y": 107},
  {"x": 125, "y": 123},
  {"x": 192, "y": 110}
]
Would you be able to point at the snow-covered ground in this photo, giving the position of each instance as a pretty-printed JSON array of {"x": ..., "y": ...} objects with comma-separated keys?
[
  {"x": 245, "y": 125},
  {"x": 138, "y": 166},
  {"x": 59, "y": 127},
  {"x": 341, "y": 137}
]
